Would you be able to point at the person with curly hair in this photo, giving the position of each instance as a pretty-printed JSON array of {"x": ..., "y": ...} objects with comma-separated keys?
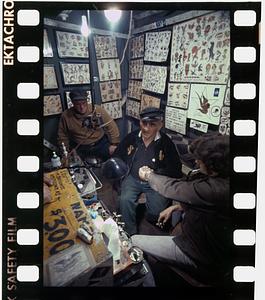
[{"x": 202, "y": 247}]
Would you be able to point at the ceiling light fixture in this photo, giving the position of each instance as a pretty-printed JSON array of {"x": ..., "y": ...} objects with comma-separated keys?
[
  {"x": 113, "y": 15},
  {"x": 85, "y": 30}
]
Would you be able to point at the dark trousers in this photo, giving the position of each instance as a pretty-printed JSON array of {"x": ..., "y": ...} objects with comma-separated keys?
[
  {"x": 131, "y": 188},
  {"x": 99, "y": 149}
]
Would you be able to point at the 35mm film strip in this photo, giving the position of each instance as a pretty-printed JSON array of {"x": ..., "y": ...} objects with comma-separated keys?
[{"x": 23, "y": 24}]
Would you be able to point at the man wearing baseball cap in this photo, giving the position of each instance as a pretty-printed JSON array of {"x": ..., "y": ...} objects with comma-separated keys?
[
  {"x": 90, "y": 129},
  {"x": 146, "y": 147}
]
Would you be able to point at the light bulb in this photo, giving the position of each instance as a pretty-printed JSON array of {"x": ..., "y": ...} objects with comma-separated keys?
[
  {"x": 85, "y": 30},
  {"x": 113, "y": 15}
]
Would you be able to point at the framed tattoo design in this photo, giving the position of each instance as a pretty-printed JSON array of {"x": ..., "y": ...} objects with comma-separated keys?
[
  {"x": 110, "y": 90},
  {"x": 72, "y": 45},
  {"x": 113, "y": 108},
  {"x": 75, "y": 73},
  {"x": 49, "y": 77},
  {"x": 154, "y": 79},
  {"x": 105, "y": 46},
  {"x": 52, "y": 105}
]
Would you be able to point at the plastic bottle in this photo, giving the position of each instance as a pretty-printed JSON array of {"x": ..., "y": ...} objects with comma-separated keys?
[{"x": 56, "y": 162}]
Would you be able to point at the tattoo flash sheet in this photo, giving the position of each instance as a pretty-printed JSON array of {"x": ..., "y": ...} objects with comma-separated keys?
[
  {"x": 62, "y": 269},
  {"x": 105, "y": 46},
  {"x": 136, "y": 68},
  {"x": 52, "y": 105},
  {"x": 69, "y": 102},
  {"x": 133, "y": 108},
  {"x": 157, "y": 46},
  {"x": 135, "y": 89},
  {"x": 72, "y": 45},
  {"x": 201, "y": 49},
  {"x": 203, "y": 127},
  {"x": 47, "y": 48},
  {"x": 110, "y": 90},
  {"x": 227, "y": 96},
  {"x": 76, "y": 73},
  {"x": 49, "y": 77},
  {"x": 149, "y": 101},
  {"x": 224, "y": 129},
  {"x": 178, "y": 95},
  {"x": 109, "y": 69},
  {"x": 206, "y": 102},
  {"x": 176, "y": 119},
  {"x": 154, "y": 79},
  {"x": 137, "y": 47},
  {"x": 114, "y": 109}
]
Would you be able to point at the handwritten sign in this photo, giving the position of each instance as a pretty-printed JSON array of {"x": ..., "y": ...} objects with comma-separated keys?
[{"x": 175, "y": 119}]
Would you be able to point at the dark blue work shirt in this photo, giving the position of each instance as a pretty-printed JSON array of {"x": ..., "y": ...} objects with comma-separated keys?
[{"x": 144, "y": 156}]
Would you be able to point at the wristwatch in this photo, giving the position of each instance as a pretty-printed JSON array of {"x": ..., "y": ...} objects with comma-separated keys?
[{"x": 148, "y": 174}]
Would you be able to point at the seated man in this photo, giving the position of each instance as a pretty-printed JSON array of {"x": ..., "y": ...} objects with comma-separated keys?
[
  {"x": 79, "y": 125},
  {"x": 146, "y": 147},
  {"x": 202, "y": 248}
]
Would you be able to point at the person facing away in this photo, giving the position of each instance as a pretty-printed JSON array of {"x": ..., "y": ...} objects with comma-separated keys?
[
  {"x": 202, "y": 248},
  {"x": 147, "y": 146},
  {"x": 90, "y": 129}
]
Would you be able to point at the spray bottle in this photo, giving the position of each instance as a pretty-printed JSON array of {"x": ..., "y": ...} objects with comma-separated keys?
[{"x": 56, "y": 162}]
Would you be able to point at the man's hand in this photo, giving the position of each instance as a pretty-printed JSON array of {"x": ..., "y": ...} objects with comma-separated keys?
[
  {"x": 145, "y": 172},
  {"x": 47, "y": 182},
  {"x": 112, "y": 148},
  {"x": 166, "y": 213},
  {"x": 47, "y": 197}
]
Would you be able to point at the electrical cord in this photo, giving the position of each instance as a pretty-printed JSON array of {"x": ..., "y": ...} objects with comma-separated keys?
[{"x": 129, "y": 36}]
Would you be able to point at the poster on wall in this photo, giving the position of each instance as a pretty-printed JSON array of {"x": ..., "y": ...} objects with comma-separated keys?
[
  {"x": 149, "y": 101},
  {"x": 72, "y": 45},
  {"x": 137, "y": 46},
  {"x": 52, "y": 105},
  {"x": 47, "y": 48},
  {"x": 109, "y": 69},
  {"x": 227, "y": 96},
  {"x": 114, "y": 109},
  {"x": 154, "y": 79},
  {"x": 135, "y": 89},
  {"x": 225, "y": 112},
  {"x": 133, "y": 108},
  {"x": 110, "y": 90},
  {"x": 76, "y": 73},
  {"x": 136, "y": 68},
  {"x": 225, "y": 120},
  {"x": 203, "y": 127},
  {"x": 176, "y": 119},
  {"x": 206, "y": 101},
  {"x": 157, "y": 46},
  {"x": 105, "y": 46},
  {"x": 178, "y": 95},
  {"x": 224, "y": 129},
  {"x": 49, "y": 77},
  {"x": 69, "y": 102},
  {"x": 200, "y": 49}
]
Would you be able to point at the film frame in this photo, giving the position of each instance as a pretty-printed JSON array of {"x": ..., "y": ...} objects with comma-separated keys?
[{"x": 16, "y": 108}]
